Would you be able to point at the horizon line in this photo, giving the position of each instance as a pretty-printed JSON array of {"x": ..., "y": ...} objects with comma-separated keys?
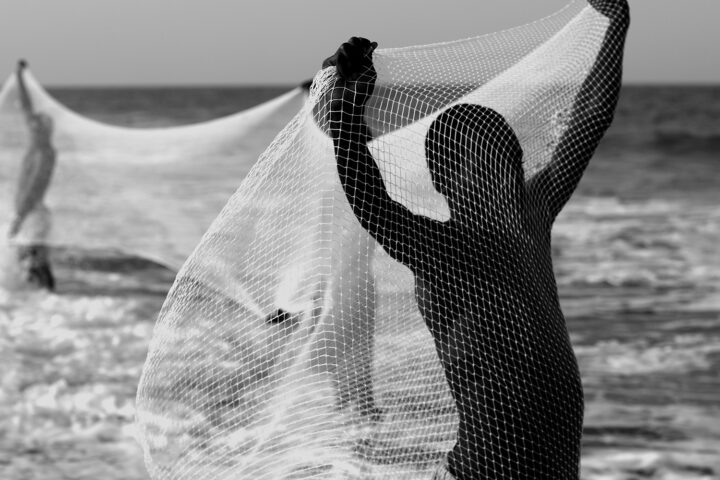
[{"x": 631, "y": 83}]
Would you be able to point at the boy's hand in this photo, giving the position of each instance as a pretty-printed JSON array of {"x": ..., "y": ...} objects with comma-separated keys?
[
  {"x": 615, "y": 10},
  {"x": 356, "y": 74},
  {"x": 353, "y": 58}
]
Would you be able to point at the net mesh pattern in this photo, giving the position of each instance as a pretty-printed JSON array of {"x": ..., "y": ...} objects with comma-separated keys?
[
  {"x": 107, "y": 177},
  {"x": 377, "y": 300}
]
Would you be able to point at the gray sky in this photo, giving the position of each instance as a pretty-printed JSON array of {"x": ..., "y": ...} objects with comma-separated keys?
[{"x": 231, "y": 42}]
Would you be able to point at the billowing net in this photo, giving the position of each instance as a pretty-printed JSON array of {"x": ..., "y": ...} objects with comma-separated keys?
[
  {"x": 133, "y": 190},
  {"x": 377, "y": 300}
]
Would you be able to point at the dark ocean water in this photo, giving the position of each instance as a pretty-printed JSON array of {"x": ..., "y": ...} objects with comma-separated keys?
[
  {"x": 637, "y": 256},
  {"x": 638, "y": 263},
  {"x": 163, "y": 107}
]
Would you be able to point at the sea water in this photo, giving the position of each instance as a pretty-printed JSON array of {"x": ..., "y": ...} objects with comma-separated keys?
[{"x": 637, "y": 258}]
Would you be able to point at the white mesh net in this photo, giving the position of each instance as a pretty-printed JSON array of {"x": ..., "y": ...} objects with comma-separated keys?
[
  {"x": 143, "y": 177},
  {"x": 377, "y": 300}
]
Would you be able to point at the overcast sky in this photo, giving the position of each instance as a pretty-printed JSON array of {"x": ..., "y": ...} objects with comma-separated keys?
[{"x": 235, "y": 42}]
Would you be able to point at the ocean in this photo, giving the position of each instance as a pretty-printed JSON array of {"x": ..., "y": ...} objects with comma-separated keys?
[{"x": 637, "y": 260}]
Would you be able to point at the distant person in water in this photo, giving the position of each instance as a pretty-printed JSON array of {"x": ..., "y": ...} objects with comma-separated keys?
[
  {"x": 484, "y": 280},
  {"x": 30, "y": 226}
]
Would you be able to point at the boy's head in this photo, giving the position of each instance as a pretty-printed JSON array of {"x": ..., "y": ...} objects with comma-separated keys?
[{"x": 471, "y": 150}]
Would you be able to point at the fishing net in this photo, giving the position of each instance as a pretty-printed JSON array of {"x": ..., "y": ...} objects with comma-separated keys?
[
  {"x": 404, "y": 323},
  {"x": 150, "y": 192}
]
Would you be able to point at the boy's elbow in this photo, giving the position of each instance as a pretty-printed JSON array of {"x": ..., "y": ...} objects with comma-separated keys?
[
  {"x": 601, "y": 112},
  {"x": 604, "y": 118},
  {"x": 607, "y": 119}
]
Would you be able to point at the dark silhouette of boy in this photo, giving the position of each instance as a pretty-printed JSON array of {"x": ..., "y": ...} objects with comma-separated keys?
[
  {"x": 484, "y": 281},
  {"x": 35, "y": 174}
]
